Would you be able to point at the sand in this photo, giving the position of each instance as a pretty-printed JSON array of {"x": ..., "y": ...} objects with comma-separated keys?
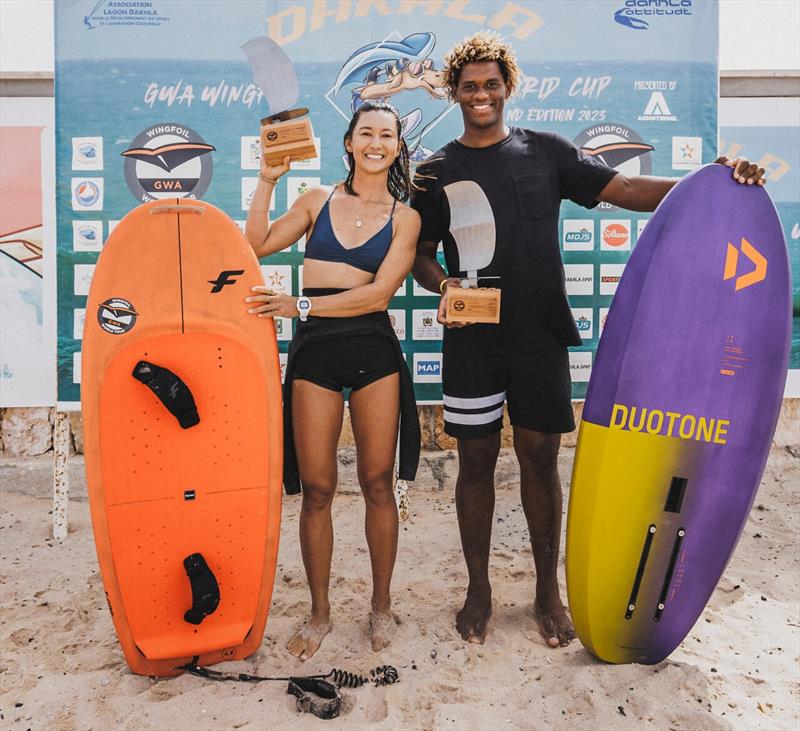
[{"x": 61, "y": 666}]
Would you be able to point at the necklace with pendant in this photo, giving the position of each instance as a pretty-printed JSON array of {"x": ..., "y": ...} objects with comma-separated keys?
[{"x": 359, "y": 222}]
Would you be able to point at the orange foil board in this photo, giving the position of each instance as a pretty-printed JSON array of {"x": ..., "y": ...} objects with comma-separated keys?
[{"x": 169, "y": 290}]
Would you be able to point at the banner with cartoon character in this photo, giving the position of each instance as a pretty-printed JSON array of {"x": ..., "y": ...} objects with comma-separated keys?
[{"x": 156, "y": 99}]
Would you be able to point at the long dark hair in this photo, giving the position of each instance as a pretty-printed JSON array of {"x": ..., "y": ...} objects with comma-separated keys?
[{"x": 399, "y": 181}]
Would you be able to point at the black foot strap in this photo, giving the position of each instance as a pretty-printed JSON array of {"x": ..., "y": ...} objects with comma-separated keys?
[
  {"x": 205, "y": 590},
  {"x": 171, "y": 391}
]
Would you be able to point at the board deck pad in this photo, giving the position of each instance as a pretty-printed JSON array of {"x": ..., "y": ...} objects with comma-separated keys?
[
  {"x": 682, "y": 404},
  {"x": 169, "y": 290}
]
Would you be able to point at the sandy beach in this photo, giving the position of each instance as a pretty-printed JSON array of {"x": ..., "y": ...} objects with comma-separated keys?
[{"x": 62, "y": 669}]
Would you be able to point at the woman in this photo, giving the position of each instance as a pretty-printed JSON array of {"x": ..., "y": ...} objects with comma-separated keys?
[{"x": 361, "y": 243}]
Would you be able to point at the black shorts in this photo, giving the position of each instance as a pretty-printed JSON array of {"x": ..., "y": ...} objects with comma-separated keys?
[
  {"x": 352, "y": 361},
  {"x": 536, "y": 386}
]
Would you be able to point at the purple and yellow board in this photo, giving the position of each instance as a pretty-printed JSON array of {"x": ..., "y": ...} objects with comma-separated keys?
[{"x": 685, "y": 394}]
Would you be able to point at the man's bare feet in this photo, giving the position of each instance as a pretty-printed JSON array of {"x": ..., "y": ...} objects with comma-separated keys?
[
  {"x": 382, "y": 628},
  {"x": 306, "y": 641},
  {"x": 471, "y": 621},
  {"x": 554, "y": 623}
]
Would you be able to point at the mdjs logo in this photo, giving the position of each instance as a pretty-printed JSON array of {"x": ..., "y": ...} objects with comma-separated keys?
[{"x": 633, "y": 13}]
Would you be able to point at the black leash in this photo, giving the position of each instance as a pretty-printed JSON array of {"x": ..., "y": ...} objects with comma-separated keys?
[{"x": 315, "y": 693}]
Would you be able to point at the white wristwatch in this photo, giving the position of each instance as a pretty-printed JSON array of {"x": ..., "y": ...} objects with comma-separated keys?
[{"x": 303, "y": 308}]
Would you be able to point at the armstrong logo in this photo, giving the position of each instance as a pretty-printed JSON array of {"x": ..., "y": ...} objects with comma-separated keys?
[
  {"x": 619, "y": 147},
  {"x": 633, "y": 14},
  {"x": 168, "y": 161},
  {"x": 116, "y": 316},
  {"x": 657, "y": 110},
  {"x": 224, "y": 278}
]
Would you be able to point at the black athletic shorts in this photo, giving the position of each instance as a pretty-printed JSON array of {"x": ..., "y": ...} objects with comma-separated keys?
[
  {"x": 352, "y": 361},
  {"x": 536, "y": 386}
]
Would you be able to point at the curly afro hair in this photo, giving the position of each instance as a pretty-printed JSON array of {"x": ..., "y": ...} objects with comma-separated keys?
[{"x": 483, "y": 46}]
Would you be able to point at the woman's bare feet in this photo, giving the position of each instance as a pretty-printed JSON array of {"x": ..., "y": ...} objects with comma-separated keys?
[
  {"x": 382, "y": 628},
  {"x": 306, "y": 641}
]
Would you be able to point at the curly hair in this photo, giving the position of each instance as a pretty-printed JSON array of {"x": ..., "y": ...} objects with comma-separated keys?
[{"x": 483, "y": 46}]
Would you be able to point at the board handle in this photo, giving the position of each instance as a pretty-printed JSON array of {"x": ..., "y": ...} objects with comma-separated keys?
[{"x": 175, "y": 208}]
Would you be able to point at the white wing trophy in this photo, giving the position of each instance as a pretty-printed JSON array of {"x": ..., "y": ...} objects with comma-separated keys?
[
  {"x": 472, "y": 227},
  {"x": 285, "y": 131}
]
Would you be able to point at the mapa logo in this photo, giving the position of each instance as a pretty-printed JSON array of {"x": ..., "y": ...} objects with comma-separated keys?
[
  {"x": 633, "y": 14},
  {"x": 168, "y": 161},
  {"x": 657, "y": 110}
]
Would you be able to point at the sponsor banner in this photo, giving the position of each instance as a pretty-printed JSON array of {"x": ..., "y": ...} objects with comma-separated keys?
[
  {"x": 427, "y": 368},
  {"x": 87, "y": 153},
  {"x": 580, "y": 366},
  {"x": 615, "y": 234},
  {"x": 398, "y": 319},
  {"x": 132, "y": 128},
  {"x": 577, "y": 234},
  {"x": 426, "y": 326},
  {"x": 610, "y": 274},
  {"x": 579, "y": 279},
  {"x": 584, "y": 321},
  {"x": 87, "y": 235}
]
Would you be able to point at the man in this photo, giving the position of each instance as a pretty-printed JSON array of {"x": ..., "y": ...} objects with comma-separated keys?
[{"x": 522, "y": 176}]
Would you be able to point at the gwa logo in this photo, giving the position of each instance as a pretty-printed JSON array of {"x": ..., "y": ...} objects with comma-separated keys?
[{"x": 631, "y": 15}]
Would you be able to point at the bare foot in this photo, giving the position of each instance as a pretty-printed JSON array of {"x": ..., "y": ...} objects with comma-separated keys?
[
  {"x": 471, "y": 621},
  {"x": 382, "y": 627},
  {"x": 308, "y": 638},
  {"x": 554, "y": 623}
]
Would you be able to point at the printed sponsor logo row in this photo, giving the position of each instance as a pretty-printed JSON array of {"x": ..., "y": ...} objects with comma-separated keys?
[{"x": 615, "y": 234}]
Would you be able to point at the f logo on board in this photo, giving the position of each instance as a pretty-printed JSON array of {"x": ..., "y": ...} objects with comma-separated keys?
[
  {"x": 224, "y": 278},
  {"x": 732, "y": 265}
]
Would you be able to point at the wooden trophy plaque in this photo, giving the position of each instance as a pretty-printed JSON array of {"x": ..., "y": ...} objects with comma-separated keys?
[
  {"x": 289, "y": 134},
  {"x": 473, "y": 304}
]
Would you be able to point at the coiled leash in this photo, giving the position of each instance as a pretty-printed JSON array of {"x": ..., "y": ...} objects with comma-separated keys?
[{"x": 315, "y": 693}]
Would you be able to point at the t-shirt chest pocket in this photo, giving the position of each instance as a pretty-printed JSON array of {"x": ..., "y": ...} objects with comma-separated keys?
[{"x": 534, "y": 194}]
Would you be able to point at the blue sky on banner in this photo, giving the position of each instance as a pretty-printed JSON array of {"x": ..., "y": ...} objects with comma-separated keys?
[{"x": 618, "y": 30}]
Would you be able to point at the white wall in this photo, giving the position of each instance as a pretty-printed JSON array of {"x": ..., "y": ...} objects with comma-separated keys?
[{"x": 754, "y": 34}]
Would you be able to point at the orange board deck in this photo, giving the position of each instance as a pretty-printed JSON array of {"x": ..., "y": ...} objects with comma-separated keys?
[{"x": 169, "y": 290}]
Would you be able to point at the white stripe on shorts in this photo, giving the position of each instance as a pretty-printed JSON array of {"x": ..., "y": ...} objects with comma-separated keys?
[
  {"x": 474, "y": 403},
  {"x": 485, "y": 418}
]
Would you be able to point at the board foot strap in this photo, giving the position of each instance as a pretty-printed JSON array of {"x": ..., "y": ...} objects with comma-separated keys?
[
  {"x": 171, "y": 391},
  {"x": 205, "y": 589}
]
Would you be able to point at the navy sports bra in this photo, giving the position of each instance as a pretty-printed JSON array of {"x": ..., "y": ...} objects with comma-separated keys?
[{"x": 323, "y": 244}]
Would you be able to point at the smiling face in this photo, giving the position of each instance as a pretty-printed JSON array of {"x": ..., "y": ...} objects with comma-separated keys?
[
  {"x": 481, "y": 93},
  {"x": 374, "y": 143}
]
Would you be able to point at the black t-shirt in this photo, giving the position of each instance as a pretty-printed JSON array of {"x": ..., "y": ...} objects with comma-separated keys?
[{"x": 523, "y": 178}]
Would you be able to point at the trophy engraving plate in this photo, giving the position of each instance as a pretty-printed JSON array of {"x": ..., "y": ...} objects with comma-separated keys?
[{"x": 478, "y": 305}]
